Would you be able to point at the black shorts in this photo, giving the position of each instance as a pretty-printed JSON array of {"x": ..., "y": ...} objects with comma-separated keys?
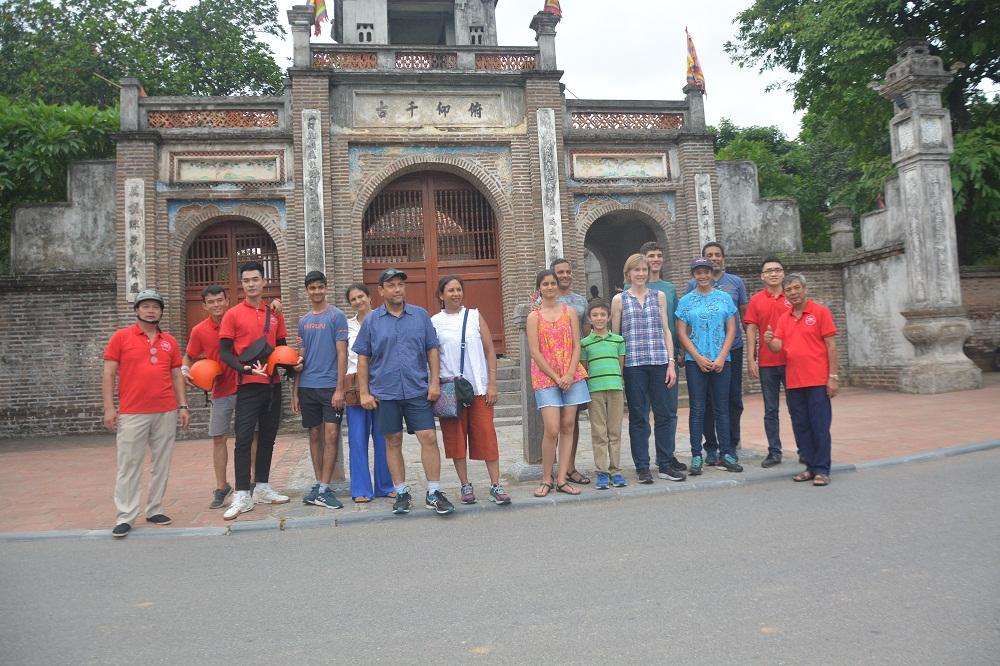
[{"x": 317, "y": 408}]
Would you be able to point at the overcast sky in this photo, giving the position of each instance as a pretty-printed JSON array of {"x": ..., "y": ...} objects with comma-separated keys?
[{"x": 635, "y": 49}]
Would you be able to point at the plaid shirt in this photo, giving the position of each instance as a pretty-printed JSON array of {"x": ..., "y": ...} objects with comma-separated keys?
[{"x": 643, "y": 330}]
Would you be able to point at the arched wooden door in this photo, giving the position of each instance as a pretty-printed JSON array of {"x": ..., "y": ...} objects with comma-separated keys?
[
  {"x": 432, "y": 224},
  {"x": 215, "y": 256}
]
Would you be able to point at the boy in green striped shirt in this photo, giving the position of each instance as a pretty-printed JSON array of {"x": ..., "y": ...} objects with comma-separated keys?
[{"x": 603, "y": 353}]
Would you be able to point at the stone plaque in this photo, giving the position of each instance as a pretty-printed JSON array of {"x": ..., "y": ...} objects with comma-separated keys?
[
  {"x": 904, "y": 132},
  {"x": 548, "y": 164},
  {"x": 228, "y": 169},
  {"x": 930, "y": 131},
  {"x": 612, "y": 166},
  {"x": 312, "y": 175},
  {"x": 706, "y": 209},
  {"x": 423, "y": 109},
  {"x": 135, "y": 237}
]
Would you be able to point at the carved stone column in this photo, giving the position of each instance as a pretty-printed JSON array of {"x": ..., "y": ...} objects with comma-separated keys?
[
  {"x": 936, "y": 324},
  {"x": 841, "y": 229},
  {"x": 531, "y": 421},
  {"x": 548, "y": 167},
  {"x": 695, "y": 119},
  {"x": 544, "y": 25}
]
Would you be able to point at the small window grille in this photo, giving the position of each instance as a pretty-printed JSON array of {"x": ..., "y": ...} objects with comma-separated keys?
[
  {"x": 476, "y": 35},
  {"x": 365, "y": 31}
]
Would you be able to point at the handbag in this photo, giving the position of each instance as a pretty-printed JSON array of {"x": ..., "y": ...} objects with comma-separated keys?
[
  {"x": 258, "y": 350},
  {"x": 352, "y": 394},
  {"x": 458, "y": 392}
]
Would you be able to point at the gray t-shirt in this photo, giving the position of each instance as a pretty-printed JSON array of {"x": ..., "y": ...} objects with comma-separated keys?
[{"x": 578, "y": 303}]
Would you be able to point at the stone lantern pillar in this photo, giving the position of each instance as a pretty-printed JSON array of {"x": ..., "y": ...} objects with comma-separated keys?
[
  {"x": 936, "y": 324},
  {"x": 300, "y": 20},
  {"x": 544, "y": 25},
  {"x": 841, "y": 229}
]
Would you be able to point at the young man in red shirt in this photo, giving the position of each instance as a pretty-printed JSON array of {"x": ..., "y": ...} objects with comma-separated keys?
[
  {"x": 151, "y": 402},
  {"x": 766, "y": 307},
  {"x": 806, "y": 335},
  {"x": 258, "y": 394}
]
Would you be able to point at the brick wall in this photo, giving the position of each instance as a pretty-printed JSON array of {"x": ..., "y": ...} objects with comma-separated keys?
[{"x": 981, "y": 298}]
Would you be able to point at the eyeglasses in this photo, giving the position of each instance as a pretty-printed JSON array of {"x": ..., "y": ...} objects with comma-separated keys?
[{"x": 773, "y": 271}]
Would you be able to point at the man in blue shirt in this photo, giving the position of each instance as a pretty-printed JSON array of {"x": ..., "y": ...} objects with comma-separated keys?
[
  {"x": 737, "y": 290},
  {"x": 318, "y": 390},
  {"x": 398, "y": 365}
]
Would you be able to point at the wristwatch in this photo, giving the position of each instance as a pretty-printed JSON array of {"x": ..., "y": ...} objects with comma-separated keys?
[{"x": 180, "y": 407}]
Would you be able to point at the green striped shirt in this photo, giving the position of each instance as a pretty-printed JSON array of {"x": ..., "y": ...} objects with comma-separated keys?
[{"x": 602, "y": 354}]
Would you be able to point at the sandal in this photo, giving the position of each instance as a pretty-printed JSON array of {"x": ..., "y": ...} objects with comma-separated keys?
[
  {"x": 579, "y": 479},
  {"x": 362, "y": 499},
  {"x": 821, "y": 480},
  {"x": 543, "y": 489},
  {"x": 803, "y": 476},
  {"x": 568, "y": 489}
]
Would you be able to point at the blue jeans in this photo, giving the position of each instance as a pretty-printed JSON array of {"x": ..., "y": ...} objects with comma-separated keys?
[
  {"x": 362, "y": 427},
  {"x": 735, "y": 396},
  {"x": 771, "y": 380},
  {"x": 701, "y": 385},
  {"x": 645, "y": 388},
  {"x": 811, "y": 415}
]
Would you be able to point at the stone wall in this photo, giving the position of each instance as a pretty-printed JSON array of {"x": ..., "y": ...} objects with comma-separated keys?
[
  {"x": 749, "y": 224},
  {"x": 981, "y": 298}
]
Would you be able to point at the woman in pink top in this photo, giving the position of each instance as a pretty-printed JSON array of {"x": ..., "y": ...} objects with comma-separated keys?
[{"x": 558, "y": 379}]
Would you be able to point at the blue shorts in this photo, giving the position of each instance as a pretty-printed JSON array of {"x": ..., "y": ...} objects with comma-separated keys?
[
  {"x": 417, "y": 412},
  {"x": 553, "y": 396}
]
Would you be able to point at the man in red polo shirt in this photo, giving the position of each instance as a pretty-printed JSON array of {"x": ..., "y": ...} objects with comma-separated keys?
[
  {"x": 766, "y": 307},
  {"x": 151, "y": 402},
  {"x": 806, "y": 335},
  {"x": 258, "y": 394}
]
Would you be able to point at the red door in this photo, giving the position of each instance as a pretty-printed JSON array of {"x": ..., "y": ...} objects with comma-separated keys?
[
  {"x": 430, "y": 225},
  {"x": 215, "y": 256}
]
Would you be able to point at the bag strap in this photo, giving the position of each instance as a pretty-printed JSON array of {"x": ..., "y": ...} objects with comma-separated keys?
[
  {"x": 267, "y": 318},
  {"x": 461, "y": 363}
]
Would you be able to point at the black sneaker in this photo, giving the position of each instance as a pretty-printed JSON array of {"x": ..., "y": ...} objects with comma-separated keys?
[
  {"x": 644, "y": 476},
  {"x": 219, "y": 497},
  {"x": 671, "y": 474},
  {"x": 438, "y": 503},
  {"x": 770, "y": 461},
  {"x": 731, "y": 464},
  {"x": 677, "y": 465},
  {"x": 159, "y": 519},
  {"x": 402, "y": 503},
  {"x": 121, "y": 529}
]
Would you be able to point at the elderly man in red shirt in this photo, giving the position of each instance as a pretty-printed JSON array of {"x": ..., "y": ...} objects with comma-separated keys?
[
  {"x": 806, "y": 335},
  {"x": 151, "y": 402}
]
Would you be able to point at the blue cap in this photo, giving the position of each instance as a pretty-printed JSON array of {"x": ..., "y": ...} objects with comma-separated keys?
[{"x": 701, "y": 262}]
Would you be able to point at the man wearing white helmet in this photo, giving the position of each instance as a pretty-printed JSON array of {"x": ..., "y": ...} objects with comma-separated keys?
[{"x": 151, "y": 402}]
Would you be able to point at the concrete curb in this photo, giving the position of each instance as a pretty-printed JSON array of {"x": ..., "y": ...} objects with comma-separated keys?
[{"x": 553, "y": 500}]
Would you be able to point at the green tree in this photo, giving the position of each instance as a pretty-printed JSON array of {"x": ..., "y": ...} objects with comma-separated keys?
[
  {"x": 58, "y": 51},
  {"x": 834, "y": 49}
]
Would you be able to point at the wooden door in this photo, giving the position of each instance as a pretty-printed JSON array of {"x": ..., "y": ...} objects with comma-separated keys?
[
  {"x": 215, "y": 257},
  {"x": 430, "y": 225}
]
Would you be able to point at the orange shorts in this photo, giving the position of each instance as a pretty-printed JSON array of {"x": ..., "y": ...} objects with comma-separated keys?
[{"x": 474, "y": 425}]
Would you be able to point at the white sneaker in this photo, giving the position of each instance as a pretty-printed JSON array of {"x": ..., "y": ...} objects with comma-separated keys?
[
  {"x": 241, "y": 503},
  {"x": 267, "y": 495}
]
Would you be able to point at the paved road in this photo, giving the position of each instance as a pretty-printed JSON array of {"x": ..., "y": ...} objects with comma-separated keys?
[{"x": 894, "y": 566}]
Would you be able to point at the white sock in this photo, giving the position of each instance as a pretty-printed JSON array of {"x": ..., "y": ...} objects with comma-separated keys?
[
  {"x": 433, "y": 487},
  {"x": 317, "y": 482},
  {"x": 402, "y": 488},
  {"x": 323, "y": 487},
  {"x": 264, "y": 486}
]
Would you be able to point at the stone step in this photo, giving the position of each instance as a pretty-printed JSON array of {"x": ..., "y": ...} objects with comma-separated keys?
[{"x": 509, "y": 385}]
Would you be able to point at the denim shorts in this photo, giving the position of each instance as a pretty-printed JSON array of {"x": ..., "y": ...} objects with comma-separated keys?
[
  {"x": 553, "y": 396},
  {"x": 417, "y": 411}
]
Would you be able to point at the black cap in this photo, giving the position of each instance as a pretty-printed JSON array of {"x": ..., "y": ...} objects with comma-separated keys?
[
  {"x": 390, "y": 273},
  {"x": 314, "y": 276}
]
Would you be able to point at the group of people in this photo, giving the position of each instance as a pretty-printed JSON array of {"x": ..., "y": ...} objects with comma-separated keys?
[{"x": 387, "y": 367}]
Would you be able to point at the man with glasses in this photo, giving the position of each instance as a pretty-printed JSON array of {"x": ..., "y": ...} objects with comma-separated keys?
[
  {"x": 151, "y": 402},
  {"x": 765, "y": 309}
]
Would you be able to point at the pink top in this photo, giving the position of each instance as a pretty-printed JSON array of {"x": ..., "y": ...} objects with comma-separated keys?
[{"x": 555, "y": 341}]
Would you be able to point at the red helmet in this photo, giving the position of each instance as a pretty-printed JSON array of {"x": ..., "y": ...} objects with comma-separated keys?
[
  {"x": 204, "y": 372},
  {"x": 283, "y": 356}
]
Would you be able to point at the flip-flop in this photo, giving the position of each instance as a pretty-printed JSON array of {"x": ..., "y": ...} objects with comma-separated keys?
[
  {"x": 561, "y": 488},
  {"x": 543, "y": 493},
  {"x": 580, "y": 479},
  {"x": 362, "y": 500}
]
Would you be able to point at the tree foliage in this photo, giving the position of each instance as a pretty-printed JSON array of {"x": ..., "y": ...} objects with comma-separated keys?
[
  {"x": 835, "y": 49},
  {"x": 37, "y": 141},
  {"x": 57, "y": 51}
]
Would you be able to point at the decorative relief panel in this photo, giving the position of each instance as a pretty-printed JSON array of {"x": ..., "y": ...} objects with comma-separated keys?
[
  {"x": 269, "y": 212},
  {"x": 615, "y": 166},
  {"x": 190, "y": 167},
  {"x": 350, "y": 60},
  {"x": 364, "y": 159},
  {"x": 242, "y": 118},
  {"x": 904, "y": 132},
  {"x": 513, "y": 62},
  {"x": 446, "y": 109},
  {"x": 930, "y": 131},
  {"x": 601, "y": 120},
  {"x": 430, "y": 60}
]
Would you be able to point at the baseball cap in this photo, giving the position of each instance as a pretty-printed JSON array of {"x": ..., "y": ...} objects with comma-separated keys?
[
  {"x": 701, "y": 262},
  {"x": 390, "y": 273}
]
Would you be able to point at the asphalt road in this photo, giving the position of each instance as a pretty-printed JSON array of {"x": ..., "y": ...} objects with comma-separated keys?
[{"x": 893, "y": 566}]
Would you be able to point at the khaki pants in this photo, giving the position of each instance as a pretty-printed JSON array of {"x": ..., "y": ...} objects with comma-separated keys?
[
  {"x": 135, "y": 431},
  {"x": 607, "y": 410}
]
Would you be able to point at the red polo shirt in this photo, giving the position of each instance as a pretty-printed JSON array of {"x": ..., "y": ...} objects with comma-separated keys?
[
  {"x": 145, "y": 384},
  {"x": 804, "y": 342},
  {"x": 765, "y": 309},
  {"x": 243, "y": 324},
  {"x": 204, "y": 341}
]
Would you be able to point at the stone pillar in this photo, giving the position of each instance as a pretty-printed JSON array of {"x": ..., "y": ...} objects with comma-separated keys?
[
  {"x": 695, "y": 118},
  {"x": 548, "y": 166},
  {"x": 705, "y": 208},
  {"x": 921, "y": 140},
  {"x": 312, "y": 190},
  {"x": 300, "y": 19},
  {"x": 530, "y": 468},
  {"x": 544, "y": 25},
  {"x": 131, "y": 90},
  {"x": 841, "y": 229}
]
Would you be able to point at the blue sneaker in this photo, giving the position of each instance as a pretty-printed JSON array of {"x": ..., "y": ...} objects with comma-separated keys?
[
  {"x": 310, "y": 497},
  {"x": 618, "y": 481},
  {"x": 329, "y": 500},
  {"x": 731, "y": 464},
  {"x": 696, "y": 464},
  {"x": 602, "y": 481}
]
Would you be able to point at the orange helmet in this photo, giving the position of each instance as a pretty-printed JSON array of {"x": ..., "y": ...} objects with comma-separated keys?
[
  {"x": 282, "y": 357},
  {"x": 204, "y": 372}
]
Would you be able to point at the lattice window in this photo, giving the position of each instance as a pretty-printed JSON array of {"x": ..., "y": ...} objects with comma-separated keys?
[
  {"x": 365, "y": 31},
  {"x": 345, "y": 60},
  {"x": 211, "y": 119},
  {"x": 393, "y": 227},
  {"x": 477, "y": 35},
  {"x": 505, "y": 62},
  {"x": 212, "y": 259},
  {"x": 411, "y": 60},
  {"x": 465, "y": 226},
  {"x": 588, "y": 120}
]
